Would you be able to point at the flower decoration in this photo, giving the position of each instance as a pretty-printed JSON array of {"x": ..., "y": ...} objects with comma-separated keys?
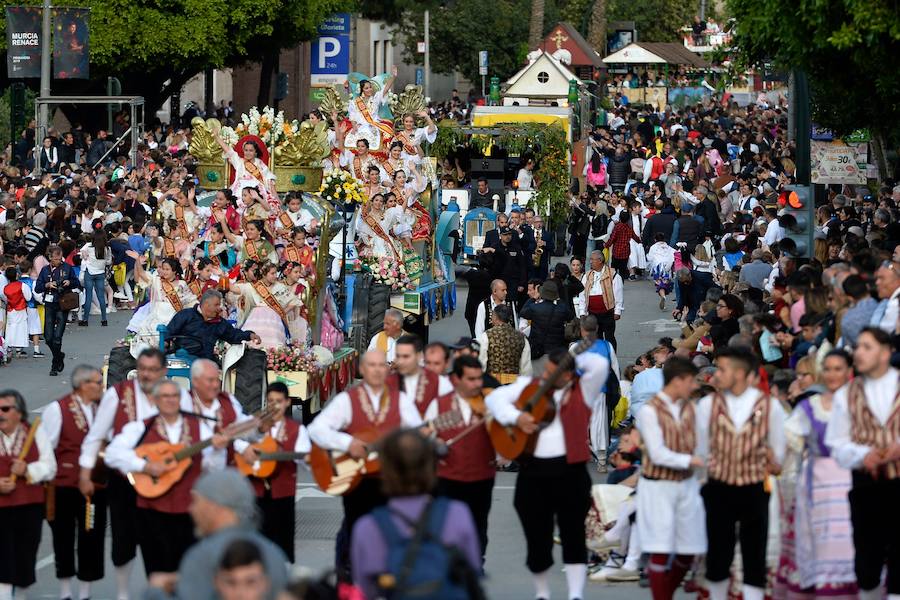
[
  {"x": 292, "y": 358},
  {"x": 341, "y": 188},
  {"x": 388, "y": 272}
]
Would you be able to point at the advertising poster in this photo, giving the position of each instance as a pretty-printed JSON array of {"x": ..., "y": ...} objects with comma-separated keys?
[
  {"x": 71, "y": 51},
  {"x": 23, "y": 42}
]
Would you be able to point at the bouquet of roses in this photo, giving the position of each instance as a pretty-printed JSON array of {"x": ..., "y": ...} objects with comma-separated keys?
[
  {"x": 387, "y": 272},
  {"x": 340, "y": 187},
  {"x": 291, "y": 359}
]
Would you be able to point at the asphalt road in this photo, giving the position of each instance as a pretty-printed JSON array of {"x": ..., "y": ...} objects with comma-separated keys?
[{"x": 319, "y": 515}]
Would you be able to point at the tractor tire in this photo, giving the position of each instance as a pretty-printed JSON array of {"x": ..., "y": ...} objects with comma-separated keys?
[
  {"x": 120, "y": 364},
  {"x": 379, "y": 303},
  {"x": 250, "y": 380}
]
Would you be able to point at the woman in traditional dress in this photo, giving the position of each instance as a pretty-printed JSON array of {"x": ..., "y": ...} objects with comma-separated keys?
[
  {"x": 407, "y": 190},
  {"x": 359, "y": 162},
  {"x": 168, "y": 294},
  {"x": 216, "y": 249},
  {"x": 252, "y": 244},
  {"x": 637, "y": 260},
  {"x": 255, "y": 208},
  {"x": 393, "y": 163},
  {"x": 373, "y": 185},
  {"x": 411, "y": 137},
  {"x": 373, "y": 238},
  {"x": 251, "y": 172},
  {"x": 300, "y": 252},
  {"x": 264, "y": 306},
  {"x": 819, "y": 563},
  {"x": 363, "y": 111},
  {"x": 17, "y": 295}
]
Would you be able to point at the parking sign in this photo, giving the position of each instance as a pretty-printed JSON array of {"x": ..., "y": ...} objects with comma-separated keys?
[{"x": 330, "y": 52}]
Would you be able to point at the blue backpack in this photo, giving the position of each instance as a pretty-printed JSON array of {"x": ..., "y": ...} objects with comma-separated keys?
[{"x": 422, "y": 566}]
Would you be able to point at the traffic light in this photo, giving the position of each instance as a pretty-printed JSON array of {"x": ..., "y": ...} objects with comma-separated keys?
[
  {"x": 281, "y": 86},
  {"x": 798, "y": 219}
]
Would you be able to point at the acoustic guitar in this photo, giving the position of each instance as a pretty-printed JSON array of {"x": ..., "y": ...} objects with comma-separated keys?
[
  {"x": 178, "y": 457},
  {"x": 337, "y": 473},
  {"x": 510, "y": 441},
  {"x": 268, "y": 457}
]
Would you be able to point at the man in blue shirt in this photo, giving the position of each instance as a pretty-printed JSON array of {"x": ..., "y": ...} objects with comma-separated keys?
[{"x": 197, "y": 329}]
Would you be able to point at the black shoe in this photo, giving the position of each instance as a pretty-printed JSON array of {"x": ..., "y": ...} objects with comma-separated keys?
[
  {"x": 103, "y": 323},
  {"x": 82, "y": 323},
  {"x": 61, "y": 365},
  {"x": 53, "y": 373}
]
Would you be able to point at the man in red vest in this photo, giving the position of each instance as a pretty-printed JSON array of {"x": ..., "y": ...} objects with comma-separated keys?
[
  {"x": 553, "y": 483},
  {"x": 66, "y": 423},
  {"x": 123, "y": 403},
  {"x": 467, "y": 472},
  {"x": 420, "y": 385},
  {"x": 374, "y": 407},
  {"x": 218, "y": 408},
  {"x": 275, "y": 494},
  {"x": 165, "y": 529},
  {"x": 23, "y": 470}
]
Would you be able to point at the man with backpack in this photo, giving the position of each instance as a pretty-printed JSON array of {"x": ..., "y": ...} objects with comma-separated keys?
[{"x": 416, "y": 542}]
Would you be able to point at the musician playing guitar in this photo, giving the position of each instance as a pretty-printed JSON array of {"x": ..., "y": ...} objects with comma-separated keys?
[
  {"x": 218, "y": 408},
  {"x": 165, "y": 529},
  {"x": 71, "y": 515},
  {"x": 123, "y": 403},
  {"x": 275, "y": 494},
  {"x": 371, "y": 409},
  {"x": 553, "y": 482},
  {"x": 467, "y": 472},
  {"x": 420, "y": 385},
  {"x": 26, "y": 462}
]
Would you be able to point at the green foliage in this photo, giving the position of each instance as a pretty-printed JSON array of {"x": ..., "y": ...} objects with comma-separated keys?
[
  {"x": 846, "y": 47},
  {"x": 5, "y": 103},
  {"x": 547, "y": 143},
  {"x": 656, "y": 20}
]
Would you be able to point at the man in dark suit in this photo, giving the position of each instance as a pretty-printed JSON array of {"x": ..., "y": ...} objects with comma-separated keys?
[
  {"x": 492, "y": 237},
  {"x": 509, "y": 264},
  {"x": 543, "y": 239}
]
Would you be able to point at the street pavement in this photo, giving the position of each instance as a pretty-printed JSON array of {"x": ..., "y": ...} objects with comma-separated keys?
[{"x": 319, "y": 515}]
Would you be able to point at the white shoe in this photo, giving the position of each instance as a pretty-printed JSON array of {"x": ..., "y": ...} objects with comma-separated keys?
[
  {"x": 603, "y": 574},
  {"x": 623, "y": 574},
  {"x": 120, "y": 296}
]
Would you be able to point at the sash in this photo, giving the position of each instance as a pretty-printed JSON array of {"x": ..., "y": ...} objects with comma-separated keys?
[
  {"x": 179, "y": 214},
  {"x": 251, "y": 249},
  {"x": 213, "y": 257},
  {"x": 286, "y": 220},
  {"x": 195, "y": 287},
  {"x": 408, "y": 144},
  {"x": 298, "y": 255},
  {"x": 422, "y": 228},
  {"x": 357, "y": 169},
  {"x": 364, "y": 111},
  {"x": 390, "y": 168},
  {"x": 269, "y": 299},
  {"x": 376, "y": 227},
  {"x": 254, "y": 170},
  {"x": 381, "y": 342},
  {"x": 172, "y": 294},
  {"x": 169, "y": 248}
]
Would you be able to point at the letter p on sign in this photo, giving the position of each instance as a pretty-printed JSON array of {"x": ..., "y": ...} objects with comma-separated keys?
[{"x": 329, "y": 47}]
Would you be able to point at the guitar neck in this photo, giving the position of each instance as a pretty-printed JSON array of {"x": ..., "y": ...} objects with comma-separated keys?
[
  {"x": 282, "y": 456},
  {"x": 192, "y": 450}
]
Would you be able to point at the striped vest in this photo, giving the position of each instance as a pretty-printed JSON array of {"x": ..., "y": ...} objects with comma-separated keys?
[
  {"x": 866, "y": 430},
  {"x": 678, "y": 436},
  {"x": 738, "y": 457}
]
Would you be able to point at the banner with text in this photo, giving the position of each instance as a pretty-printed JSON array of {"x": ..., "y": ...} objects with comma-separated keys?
[
  {"x": 330, "y": 52},
  {"x": 837, "y": 163},
  {"x": 23, "y": 42},
  {"x": 71, "y": 50}
]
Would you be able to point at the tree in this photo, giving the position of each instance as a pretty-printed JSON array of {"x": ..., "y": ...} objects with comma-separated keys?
[
  {"x": 655, "y": 20},
  {"x": 846, "y": 48},
  {"x": 597, "y": 30},
  {"x": 536, "y": 26},
  {"x": 155, "y": 47}
]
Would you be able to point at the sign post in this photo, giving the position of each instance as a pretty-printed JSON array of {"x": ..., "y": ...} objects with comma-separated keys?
[
  {"x": 330, "y": 52},
  {"x": 483, "y": 69}
]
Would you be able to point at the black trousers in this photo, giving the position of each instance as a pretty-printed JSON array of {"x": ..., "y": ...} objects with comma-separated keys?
[
  {"x": 68, "y": 532},
  {"x": 876, "y": 530},
  {"x": 123, "y": 517},
  {"x": 621, "y": 265},
  {"x": 279, "y": 521},
  {"x": 606, "y": 330},
  {"x": 549, "y": 491},
  {"x": 20, "y": 537},
  {"x": 164, "y": 538},
  {"x": 728, "y": 506},
  {"x": 54, "y": 328},
  {"x": 477, "y": 495},
  {"x": 358, "y": 503}
]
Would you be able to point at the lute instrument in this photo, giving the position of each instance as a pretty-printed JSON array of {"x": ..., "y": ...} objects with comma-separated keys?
[
  {"x": 178, "y": 457},
  {"x": 337, "y": 473},
  {"x": 26, "y": 446},
  {"x": 268, "y": 457},
  {"x": 536, "y": 399}
]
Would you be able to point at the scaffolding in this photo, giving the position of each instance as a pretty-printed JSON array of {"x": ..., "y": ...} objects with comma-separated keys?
[{"x": 136, "y": 108}]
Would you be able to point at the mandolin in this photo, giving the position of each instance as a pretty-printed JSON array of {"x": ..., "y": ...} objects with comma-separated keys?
[
  {"x": 537, "y": 399},
  {"x": 268, "y": 457},
  {"x": 178, "y": 457},
  {"x": 337, "y": 473}
]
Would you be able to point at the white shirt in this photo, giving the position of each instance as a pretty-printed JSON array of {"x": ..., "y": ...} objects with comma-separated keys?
[
  {"x": 891, "y": 313},
  {"x": 525, "y": 367},
  {"x": 51, "y": 419},
  {"x": 480, "y": 316},
  {"x": 774, "y": 233},
  {"x": 94, "y": 265},
  {"x": 551, "y": 442},
  {"x": 618, "y": 289},
  {"x": 740, "y": 409},
  {"x": 465, "y": 410},
  {"x": 120, "y": 454},
  {"x": 327, "y": 430},
  {"x": 525, "y": 179},
  {"x": 215, "y": 459},
  {"x": 652, "y": 435},
  {"x": 879, "y": 393},
  {"x": 44, "y": 468},
  {"x": 391, "y": 345},
  {"x": 411, "y": 383},
  {"x": 102, "y": 424}
]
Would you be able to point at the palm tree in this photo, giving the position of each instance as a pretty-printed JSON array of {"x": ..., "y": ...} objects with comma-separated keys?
[
  {"x": 536, "y": 28},
  {"x": 597, "y": 27}
]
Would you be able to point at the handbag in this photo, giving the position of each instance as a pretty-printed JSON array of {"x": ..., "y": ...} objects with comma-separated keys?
[
  {"x": 68, "y": 300},
  {"x": 572, "y": 330}
]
